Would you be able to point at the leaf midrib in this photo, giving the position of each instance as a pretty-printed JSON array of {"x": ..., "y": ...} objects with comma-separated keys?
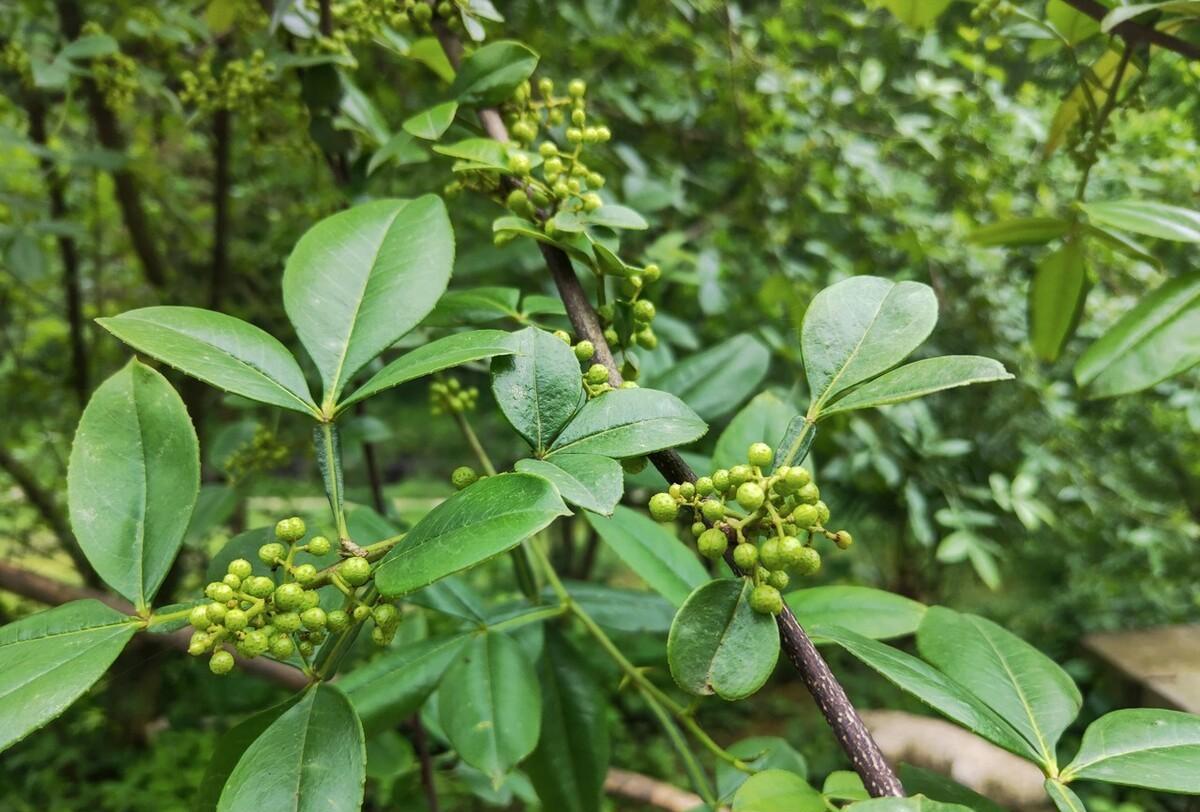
[{"x": 815, "y": 409}]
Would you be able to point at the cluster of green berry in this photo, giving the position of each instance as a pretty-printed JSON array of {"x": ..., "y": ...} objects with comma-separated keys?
[
  {"x": 238, "y": 85},
  {"x": 115, "y": 74},
  {"x": 420, "y": 14},
  {"x": 772, "y": 511},
  {"x": 15, "y": 59},
  {"x": 595, "y": 375},
  {"x": 627, "y": 320},
  {"x": 259, "y": 617},
  {"x": 450, "y": 396},
  {"x": 262, "y": 452},
  {"x": 988, "y": 8}
]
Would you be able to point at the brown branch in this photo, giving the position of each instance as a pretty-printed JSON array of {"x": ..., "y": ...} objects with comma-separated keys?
[
  {"x": 646, "y": 790},
  {"x": 1134, "y": 32},
  {"x": 865, "y": 755},
  {"x": 127, "y": 188}
]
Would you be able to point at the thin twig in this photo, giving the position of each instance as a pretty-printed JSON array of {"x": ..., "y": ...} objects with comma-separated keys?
[{"x": 1134, "y": 32}]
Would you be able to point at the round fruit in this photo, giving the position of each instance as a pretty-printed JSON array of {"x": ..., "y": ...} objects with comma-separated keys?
[
  {"x": 290, "y": 530},
  {"x": 712, "y": 510},
  {"x": 289, "y": 597},
  {"x": 843, "y": 539},
  {"x": 739, "y": 474},
  {"x": 809, "y": 494},
  {"x": 337, "y": 620},
  {"x": 254, "y": 644},
  {"x": 712, "y": 543},
  {"x": 236, "y": 620},
  {"x": 219, "y": 592},
  {"x": 822, "y": 513},
  {"x": 644, "y": 310},
  {"x": 216, "y": 613},
  {"x": 287, "y": 622},
  {"x": 385, "y": 615},
  {"x": 221, "y": 662},
  {"x": 808, "y": 562},
  {"x": 663, "y": 508},
  {"x": 745, "y": 555},
  {"x": 750, "y": 495},
  {"x": 791, "y": 549},
  {"x": 282, "y": 647},
  {"x": 597, "y": 373},
  {"x": 463, "y": 476},
  {"x": 704, "y": 486},
  {"x": 258, "y": 586},
  {"x": 797, "y": 478},
  {"x": 305, "y": 574},
  {"x": 355, "y": 571},
  {"x": 805, "y": 516},
  {"x": 584, "y": 350},
  {"x": 232, "y": 581},
  {"x": 766, "y": 599},
  {"x": 198, "y": 617},
  {"x": 779, "y": 579},
  {"x": 760, "y": 454},
  {"x": 313, "y": 618},
  {"x": 319, "y": 545},
  {"x": 271, "y": 554},
  {"x": 771, "y": 554},
  {"x": 240, "y": 567}
]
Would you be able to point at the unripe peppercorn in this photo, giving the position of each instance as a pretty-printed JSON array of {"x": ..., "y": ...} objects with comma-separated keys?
[
  {"x": 739, "y": 474},
  {"x": 779, "y": 579},
  {"x": 313, "y": 618},
  {"x": 216, "y": 613},
  {"x": 235, "y": 620},
  {"x": 698, "y": 528},
  {"x": 221, "y": 662},
  {"x": 355, "y": 571},
  {"x": 319, "y": 545},
  {"x": 385, "y": 615},
  {"x": 771, "y": 554},
  {"x": 797, "y": 478},
  {"x": 290, "y": 530},
  {"x": 463, "y": 476},
  {"x": 766, "y": 600},
  {"x": 808, "y": 562},
  {"x": 232, "y": 581},
  {"x": 253, "y": 644},
  {"x": 380, "y": 637},
  {"x": 311, "y": 598},
  {"x": 630, "y": 285},
  {"x": 644, "y": 310},
  {"x": 745, "y": 555},
  {"x": 219, "y": 592},
  {"x": 584, "y": 350},
  {"x": 843, "y": 539},
  {"x": 822, "y": 513},
  {"x": 712, "y": 510},
  {"x": 663, "y": 508},
  {"x": 548, "y": 149},
  {"x": 517, "y": 200},
  {"x": 576, "y": 88},
  {"x": 240, "y": 567},
  {"x": 289, "y": 597},
  {"x": 810, "y": 494},
  {"x": 704, "y": 486},
  {"x": 258, "y": 586},
  {"x": 687, "y": 491},
  {"x": 592, "y": 201},
  {"x": 361, "y": 613},
  {"x": 597, "y": 373},
  {"x": 805, "y": 515},
  {"x": 199, "y": 643},
  {"x": 646, "y": 339},
  {"x": 282, "y": 647},
  {"x": 760, "y": 454},
  {"x": 611, "y": 337},
  {"x": 305, "y": 574},
  {"x": 271, "y": 554},
  {"x": 337, "y": 620},
  {"x": 519, "y": 163},
  {"x": 720, "y": 480},
  {"x": 305, "y": 648},
  {"x": 651, "y": 273},
  {"x": 287, "y": 622},
  {"x": 712, "y": 543},
  {"x": 791, "y": 549},
  {"x": 198, "y": 617},
  {"x": 750, "y": 495}
]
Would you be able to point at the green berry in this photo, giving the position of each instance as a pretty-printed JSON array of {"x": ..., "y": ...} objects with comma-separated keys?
[
  {"x": 221, "y": 662},
  {"x": 361, "y": 613},
  {"x": 355, "y": 571},
  {"x": 808, "y": 562},
  {"x": 592, "y": 201},
  {"x": 319, "y": 545},
  {"x": 311, "y": 599},
  {"x": 305, "y": 648},
  {"x": 198, "y": 617},
  {"x": 338, "y": 620},
  {"x": 698, "y": 528},
  {"x": 305, "y": 574},
  {"x": 232, "y": 581},
  {"x": 519, "y": 163},
  {"x": 652, "y": 273},
  {"x": 463, "y": 476},
  {"x": 258, "y": 586},
  {"x": 584, "y": 350},
  {"x": 289, "y": 597},
  {"x": 290, "y": 530},
  {"x": 282, "y": 647},
  {"x": 597, "y": 373},
  {"x": 287, "y": 622},
  {"x": 646, "y": 339},
  {"x": 779, "y": 579},
  {"x": 380, "y": 637},
  {"x": 805, "y": 516},
  {"x": 630, "y": 285},
  {"x": 810, "y": 494},
  {"x": 750, "y": 495},
  {"x": 704, "y": 486},
  {"x": 517, "y": 200},
  {"x": 720, "y": 480},
  {"x": 271, "y": 554},
  {"x": 253, "y": 644},
  {"x": 386, "y": 615},
  {"x": 771, "y": 554},
  {"x": 766, "y": 600},
  {"x": 739, "y": 474},
  {"x": 240, "y": 567},
  {"x": 219, "y": 592},
  {"x": 663, "y": 508},
  {"x": 644, "y": 310},
  {"x": 843, "y": 539},
  {"x": 822, "y": 513},
  {"x": 610, "y": 337},
  {"x": 216, "y": 613},
  {"x": 797, "y": 478},
  {"x": 712, "y": 510},
  {"x": 548, "y": 149},
  {"x": 712, "y": 543},
  {"x": 791, "y": 549},
  {"x": 745, "y": 555},
  {"x": 687, "y": 491},
  {"x": 576, "y": 88},
  {"x": 760, "y": 454},
  {"x": 313, "y": 618},
  {"x": 200, "y": 643}
]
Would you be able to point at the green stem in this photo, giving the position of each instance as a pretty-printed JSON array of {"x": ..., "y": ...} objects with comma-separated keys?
[
  {"x": 374, "y": 552},
  {"x": 535, "y": 616},
  {"x": 334, "y": 651},
  {"x": 1110, "y": 103},
  {"x": 158, "y": 620},
  {"x": 692, "y": 767},
  {"x": 329, "y": 458},
  {"x": 485, "y": 461}
]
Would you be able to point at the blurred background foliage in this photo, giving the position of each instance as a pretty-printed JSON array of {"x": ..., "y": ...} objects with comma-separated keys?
[{"x": 172, "y": 152}]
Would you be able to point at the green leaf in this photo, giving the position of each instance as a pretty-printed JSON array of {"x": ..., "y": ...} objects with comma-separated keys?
[
  {"x": 228, "y": 751},
  {"x": 629, "y": 423},
  {"x": 484, "y": 154},
  {"x": 431, "y": 123},
  {"x": 401, "y": 149},
  {"x": 1056, "y": 299},
  {"x": 918, "y": 379},
  {"x": 482, "y": 521},
  {"x": 1141, "y": 747},
  {"x": 429, "y": 52},
  {"x": 220, "y": 350},
  {"x": 1072, "y": 24},
  {"x": 716, "y": 381},
  {"x": 51, "y": 658},
  {"x": 611, "y": 215},
  {"x": 625, "y": 611},
  {"x": 1065, "y": 800},
  {"x": 664, "y": 562},
  {"x": 797, "y": 440},
  {"x": 390, "y": 688},
  {"x": 359, "y": 280},
  {"x": 918, "y": 803},
  {"x": 859, "y": 328},
  {"x": 1144, "y": 217},
  {"x": 777, "y": 791},
  {"x": 718, "y": 644},
  {"x": 446, "y": 352},
  {"x": 132, "y": 480},
  {"x": 538, "y": 387},
  {"x": 917, "y": 13},
  {"x": 872, "y": 613},
  {"x": 844, "y": 785},
  {"x": 475, "y": 306},
  {"x": 939, "y": 788},
  {"x": 1119, "y": 15},
  {"x": 568, "y": 767},
  {"x": 1158, "y": 338},
  {"x": 590, "y": 481},
  {"x": 761, "y": 753},
  {"x": 357, "y": 106},
  {"x": 1021, "y": 231},
  {"x": 491, "y": 74},
  {"x": 490, "y": 704},
  {"x": 930, "y": 686},
  {"x": 1122, "y": 244},
  {"x": 763, "y": 420},
  {"x": 1013, "y": 678},
  {"x": 312, "y": 758}
]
